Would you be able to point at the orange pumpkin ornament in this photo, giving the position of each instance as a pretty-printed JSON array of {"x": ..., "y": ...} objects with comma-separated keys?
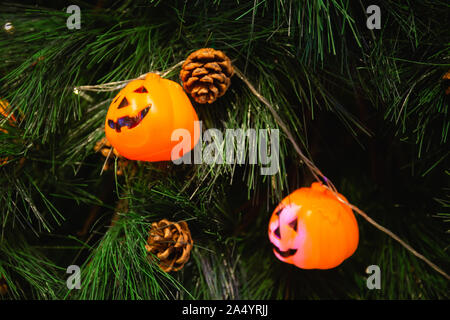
[
  {"x": 142, "y": 117},
  {"x": 312, "y": 229}
]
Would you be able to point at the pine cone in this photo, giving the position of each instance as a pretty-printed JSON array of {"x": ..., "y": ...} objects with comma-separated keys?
[
  {"x": 104, "y": 147},
  {"x": 171, "y": 242},
  {"x": 446, "y": 82},
  {"x": 206, "y": 74}
]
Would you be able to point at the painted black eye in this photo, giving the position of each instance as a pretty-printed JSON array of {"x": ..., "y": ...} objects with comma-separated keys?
[
  {"x": 277, "y": 233},
  {"x": 124, "y": 103},
  {"x": 278, "y": 212},
  {"x": 293, "y": 224},
  {"x": 111, "y": 124},
  {"x": 141, "y": 90}
]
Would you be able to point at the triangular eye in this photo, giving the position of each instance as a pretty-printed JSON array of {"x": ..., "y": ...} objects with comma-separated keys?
[
  {"x": 293, "y": 224},
  {"x": 141, "y": 90},
  {"x": 278, "y": 212},
  {"x": 123, "y": 104},
  {"x": 277, "y": 232}
]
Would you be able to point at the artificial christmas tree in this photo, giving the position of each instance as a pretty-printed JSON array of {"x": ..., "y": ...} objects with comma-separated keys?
[{"x": 361, "y": 111}]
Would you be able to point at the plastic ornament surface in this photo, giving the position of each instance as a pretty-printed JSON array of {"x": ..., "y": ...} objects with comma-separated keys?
[
  {"x": 312, "y": 229},
  {"x": 142, "y": 117}
]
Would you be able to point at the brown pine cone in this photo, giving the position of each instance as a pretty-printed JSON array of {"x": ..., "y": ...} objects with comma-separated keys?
[
  {"x": 206, "y": 74},
  {"x": 104, "y": 147},
  {"x": 171, "y": 242}
]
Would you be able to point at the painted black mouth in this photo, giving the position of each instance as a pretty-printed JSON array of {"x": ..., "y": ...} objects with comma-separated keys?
[
  {"x": 129, "y": 122},
  {"x": 286, "y": 253}
]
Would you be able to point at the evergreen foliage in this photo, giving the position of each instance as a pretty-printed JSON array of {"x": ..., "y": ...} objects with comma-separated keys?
[{"x": 367, "y": 106}]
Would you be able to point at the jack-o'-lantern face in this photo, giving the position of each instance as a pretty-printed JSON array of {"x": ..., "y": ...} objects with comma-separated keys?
[
  {"x": 142, "y": 117},
  {"x": 131, "y": 115},
  {"x": 312, "y": 229},
  {"x": 284, "y": 230}
]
